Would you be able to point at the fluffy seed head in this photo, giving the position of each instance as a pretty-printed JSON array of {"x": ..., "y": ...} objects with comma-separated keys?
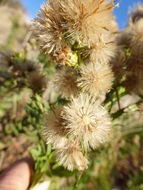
[
  {"x": 73, "y": 21},
  {"x": 134, "y": 84},
  {"x": 86, "y": 20},
  {"x": 135, "y": 64},
  {"x": 118, "y": 63},
  {"x": 96, "y": 78},
  {"x": 87, "y": 120},
  {"x": 47, "y": 28},
  {"x": 136, "y": 43},
  {"x": 71, "y": 156},
  {"x": 137, "y": 13},
  {"x": 124, "y": 37},
  {"x": 134, "y": 74},
  {"x": 65, "y": 82},
  {"x": 54, "y": 131},
  {"x": 103, "y": 50}
]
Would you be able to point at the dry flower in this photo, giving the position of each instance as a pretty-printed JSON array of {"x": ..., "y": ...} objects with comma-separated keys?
[
  {"x": 136, "y": 43},
  {"x": 54, "y": 131},
  {"x": 87, "y": 121},
  {"x": 65, "y": 82},
  {"x": 134, "y": 83},
  {"x": 30, "y": 66},
  {"x": 135, "y": 64},
  {"x": 118, "y": 63},
  {"x": 96, "y": 78},
  {"x": 86, "y": 20},
  {"x": 65, "y": 21},
  {"x": 124, "y": 37},
  {"x": 137, "y": 13},
  {"x": 50, "y": 94},
  {"x": 47, "y": 27},
  {"x": 71, "y": 156},
  {"x": 103, "y": 50}
]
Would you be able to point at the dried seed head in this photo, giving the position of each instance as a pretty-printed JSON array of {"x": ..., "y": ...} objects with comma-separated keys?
[
  {"x": 50, "y": 94},
  {"x": 124, "y": 37},
  {"x": 118, "y": 63},
  {"x": 96, "y": 78},
  {"x": 103, "y": 50},
  {"x": 70, "y": 21},
  {"x": 47, "y": 28},
  {"x": 134, "y": 84},
  {"x": 71, "y": 156},
  {"x": 136, "y": 43},
  {"x": 135, "y": 64},
  {"x": 65, "y": 83},
  {"x": 54, "y": 131},
  {"x": 31, "y": 66},
  {"x": 86, "y": 20},
  {"x": 87, "y": 121},
  {"x": 136, "y": 13}
]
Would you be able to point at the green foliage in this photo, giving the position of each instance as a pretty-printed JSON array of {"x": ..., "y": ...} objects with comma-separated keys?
[{"x": 21, "y": 115}]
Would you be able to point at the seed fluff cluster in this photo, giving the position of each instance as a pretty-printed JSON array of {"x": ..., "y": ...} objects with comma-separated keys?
[
  {"x": 79, "y": 36},
  {"x": 132, "y": 39}
]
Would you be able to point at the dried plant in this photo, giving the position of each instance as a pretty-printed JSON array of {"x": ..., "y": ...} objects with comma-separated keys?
[{"x": 73, "y": 87}]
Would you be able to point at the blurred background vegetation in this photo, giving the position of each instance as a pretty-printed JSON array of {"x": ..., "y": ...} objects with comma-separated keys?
[{"x": 25, "y": 98}]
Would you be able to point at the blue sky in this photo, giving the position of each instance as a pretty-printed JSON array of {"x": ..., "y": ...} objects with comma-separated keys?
[{"x": 120, "y": 13}]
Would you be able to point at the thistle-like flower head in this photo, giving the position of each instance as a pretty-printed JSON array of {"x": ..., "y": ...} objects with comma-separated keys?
[
  {"x": 103, "y": 50},
  {"x": 65, "y": 83},
  {"x": 136, "y": 43},
  {"x": 47, "y": 27},
  {"x": 60, "y": 23},
  {"x": 137, "y": 13},
  {"x": 87, "y": 121},
  {"x": 134, "y": 83},
  {"x": 71, "y": 156},
  {"x": 54, "y": 131},
  {"x": 86, "y": 20},
  {"x": 96, "y": 78}
]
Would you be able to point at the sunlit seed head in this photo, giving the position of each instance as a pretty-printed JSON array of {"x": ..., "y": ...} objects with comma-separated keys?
[
  {"x": 136, "y": 43},
  {"x": 103, "y": 50},
  {"x": 135, "y": 64},
  {"x": 65, "y": 82},
  {"x": 118, "y": 63},
  {"x": 54, "y": 132},
  {"x": 71, "y": 156},
  {"x": 96, "y": 78},
  {"x": 134, "y": 84},
  {"x": 87, "y": 121},
  {"x": 136, "y": 13},
  {"x": 134, "y": 74},
  {"x": 47, "y": 28},
  {"x": 124, "y": 38},
  {"x": 86, "y": 20}
]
